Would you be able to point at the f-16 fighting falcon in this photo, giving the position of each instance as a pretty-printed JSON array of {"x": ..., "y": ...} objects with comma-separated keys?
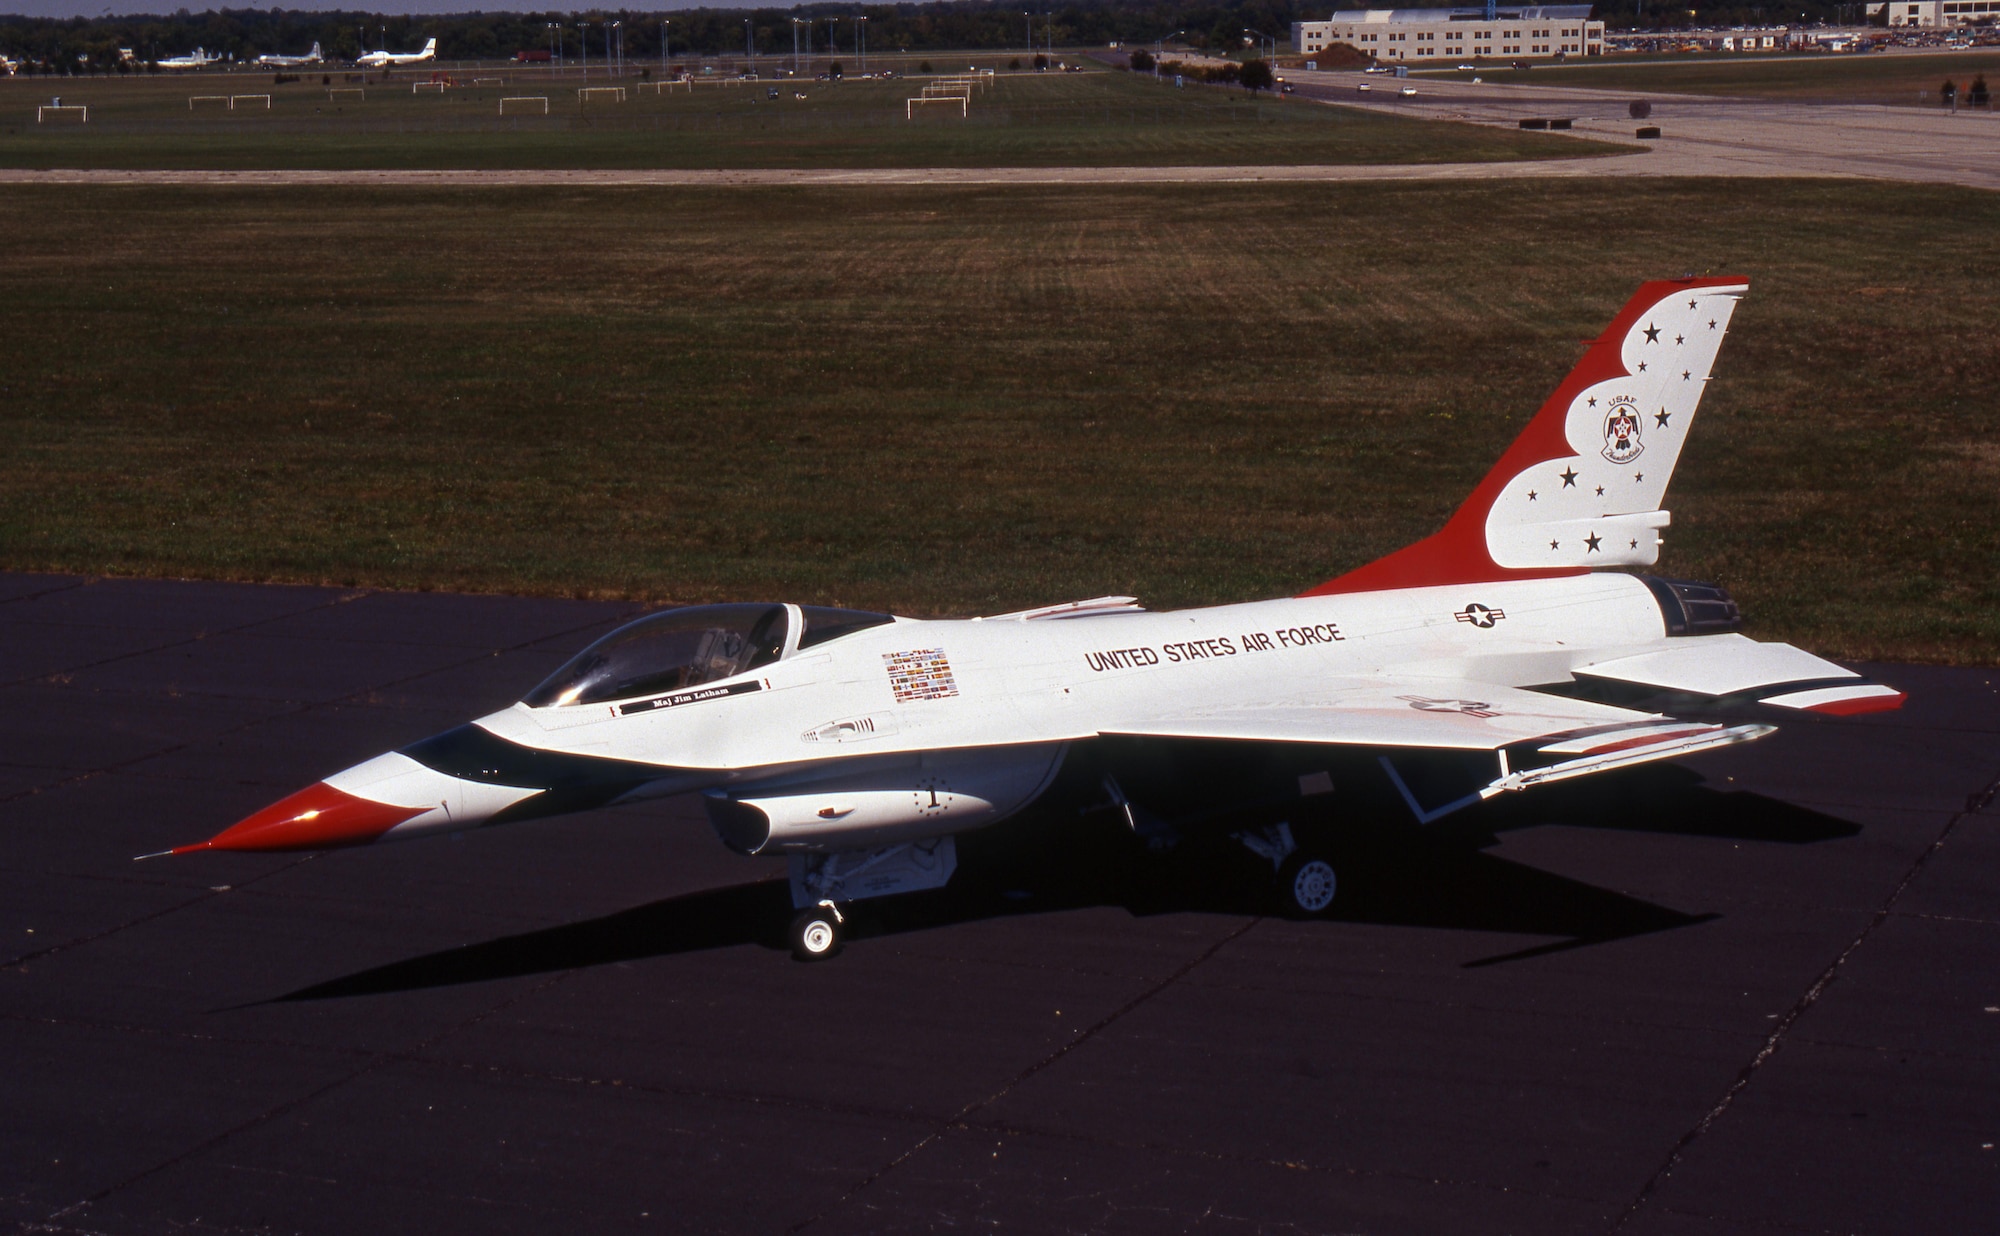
[{"x": 1506, "y": 648}]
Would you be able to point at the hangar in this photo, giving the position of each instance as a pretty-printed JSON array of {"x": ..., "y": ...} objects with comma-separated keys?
[{"x": 1535, "y": 32}]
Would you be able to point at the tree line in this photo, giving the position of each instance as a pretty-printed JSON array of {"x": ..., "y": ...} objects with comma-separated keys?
[
  {"x": 83, "y": 44},
  {"x": 93, "y": 44}
]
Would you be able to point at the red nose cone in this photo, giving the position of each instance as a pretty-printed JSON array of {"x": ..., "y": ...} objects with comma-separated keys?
[{"x": 318, "y": 817}]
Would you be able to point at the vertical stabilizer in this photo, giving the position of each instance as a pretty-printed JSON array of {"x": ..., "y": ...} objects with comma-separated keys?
[{"x": 1582, "y": 487}]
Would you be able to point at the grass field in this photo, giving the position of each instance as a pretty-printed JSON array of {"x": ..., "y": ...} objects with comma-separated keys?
[
  {"x": 1883, "y": 77},
  {"x": 1097, "y": 118},
  {"x": 973, "y": 400}
]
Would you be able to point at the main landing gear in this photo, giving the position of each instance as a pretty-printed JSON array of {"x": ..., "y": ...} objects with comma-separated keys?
[
  {"x": 816, "y": 930},
  {"x": 1306, "y": 886},
  {"x": 1305, "y": 880}
]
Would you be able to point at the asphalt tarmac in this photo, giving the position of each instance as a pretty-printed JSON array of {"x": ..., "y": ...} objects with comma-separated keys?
[{"x": 1755, "y": 993}]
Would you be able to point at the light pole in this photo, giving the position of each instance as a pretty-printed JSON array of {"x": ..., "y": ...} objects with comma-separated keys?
[
  {"x": 1270, "y": 43},
  {"x": 749, "y": 48},
  {"x": 663, "y": 48},
  {"x": 1159, "y": 46},
  {"x": 832, "y": 47},
  {"x": 583, "y": 48},
  {"x": 861, "y": 43},
  {"x": 795, "y": 45},
  {"x": 1029, "y": 18}
]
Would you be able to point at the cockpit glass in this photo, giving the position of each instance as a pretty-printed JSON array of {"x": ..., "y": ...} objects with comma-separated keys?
[
  {"x": 666, "y": 652},
  {"x": 823, "y": 624}
]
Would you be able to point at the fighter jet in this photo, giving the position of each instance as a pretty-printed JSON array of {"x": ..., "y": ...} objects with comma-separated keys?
[
  {"x": 197, "y": 59},
  {"x": 1506, "y": 651},
  {"x": 291, "y": 62},
  {"x": 377, "y": 59}
]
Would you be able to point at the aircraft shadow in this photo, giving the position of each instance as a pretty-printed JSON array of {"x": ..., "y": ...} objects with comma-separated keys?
[{"x": 1051, "y": 862}]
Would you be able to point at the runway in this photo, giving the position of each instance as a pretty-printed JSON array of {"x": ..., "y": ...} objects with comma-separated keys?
[{"x": 1756, "y": 993}]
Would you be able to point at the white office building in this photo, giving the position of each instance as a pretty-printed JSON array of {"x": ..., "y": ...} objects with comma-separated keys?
[
  {"x": 1932, "y": 14},
  {"x": 1538, "y": 32}
]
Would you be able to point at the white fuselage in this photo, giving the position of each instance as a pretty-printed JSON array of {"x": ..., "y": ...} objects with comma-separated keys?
[{"x": 1055, "y": 680}]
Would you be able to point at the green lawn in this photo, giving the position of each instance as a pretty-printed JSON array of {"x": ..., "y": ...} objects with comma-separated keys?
[
  {"x": 972, "y": 400},
  {"x": 1098, "y": 118},
  {"x": 1880, "y": 77}
]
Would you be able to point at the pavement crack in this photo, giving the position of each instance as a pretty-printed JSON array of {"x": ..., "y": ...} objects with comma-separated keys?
[
  {"x": 46, "y": 592},
  {"x": 375, "y": 1061},
  {"x": 298, "y": 710},
  {"x": 207, "y": 894},
  {"x": 1975, "y": 802},
  {"x": 196, "y": 638},
  {"x": 962, "y": 1117}
]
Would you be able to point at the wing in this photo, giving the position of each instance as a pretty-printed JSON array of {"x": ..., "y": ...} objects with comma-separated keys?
[{"x": 1538, "y": 738}]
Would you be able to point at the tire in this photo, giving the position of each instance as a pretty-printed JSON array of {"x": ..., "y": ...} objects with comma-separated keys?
[
  {"x": 815, "y": 934},
  {"x": 1307, "y": 886}
]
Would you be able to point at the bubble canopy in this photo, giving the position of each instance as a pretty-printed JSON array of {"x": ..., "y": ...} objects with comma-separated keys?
[{"x": 679, "y": 648}]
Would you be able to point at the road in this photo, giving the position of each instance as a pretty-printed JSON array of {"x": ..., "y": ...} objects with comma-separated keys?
[{"x": 1758, "y": 993}]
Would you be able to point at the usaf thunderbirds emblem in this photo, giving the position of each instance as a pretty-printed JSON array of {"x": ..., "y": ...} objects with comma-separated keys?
[{"x": 1621, "y": 432}]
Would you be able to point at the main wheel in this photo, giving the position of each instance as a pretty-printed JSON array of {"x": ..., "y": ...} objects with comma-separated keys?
[
  {"x": 815, "y": 934},
  {"x": 1306, "y": 886}
]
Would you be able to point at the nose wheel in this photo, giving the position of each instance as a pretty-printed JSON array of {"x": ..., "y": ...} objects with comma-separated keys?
[{"x": 816, "y": 931}]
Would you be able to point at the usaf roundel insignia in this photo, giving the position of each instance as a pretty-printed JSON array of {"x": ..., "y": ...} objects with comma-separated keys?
[{"x": 1621, "y": 432}]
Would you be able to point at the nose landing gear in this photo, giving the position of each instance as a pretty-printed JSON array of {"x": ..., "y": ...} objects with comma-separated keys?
[{"x": 815, "y": 932}]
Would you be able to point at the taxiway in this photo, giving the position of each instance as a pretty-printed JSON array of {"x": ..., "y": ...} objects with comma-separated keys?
[{"x": 1753, "y": 993}]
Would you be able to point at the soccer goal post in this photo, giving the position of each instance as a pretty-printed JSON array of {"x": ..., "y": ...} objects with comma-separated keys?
[
  {"x": 526, "y": 102},
  {"x": 337, "y": 93},
  {"x": 250, "y": 100},
  {"x": 196, "y": 99},
  {"x": 60, "y": 110},
  {"x": 910, "y": 105},
  {"x": 600, "y": 94}
]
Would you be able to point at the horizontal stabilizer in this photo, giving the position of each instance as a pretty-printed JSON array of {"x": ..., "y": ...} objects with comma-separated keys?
[{"x": 1734, "y": 665}]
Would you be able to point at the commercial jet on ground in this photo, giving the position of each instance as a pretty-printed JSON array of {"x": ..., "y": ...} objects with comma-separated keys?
[
  {"x": 377, "y": 59},
  {"x": 291, "y": 62},
  {"x": 1502, "y": 653},
  {"x": 197, "y": 59}
]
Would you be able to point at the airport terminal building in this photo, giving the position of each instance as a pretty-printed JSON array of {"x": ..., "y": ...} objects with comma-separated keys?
[
  {"x": 1538, "y": 32},
  {"x": 1932, "y": 14}
]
